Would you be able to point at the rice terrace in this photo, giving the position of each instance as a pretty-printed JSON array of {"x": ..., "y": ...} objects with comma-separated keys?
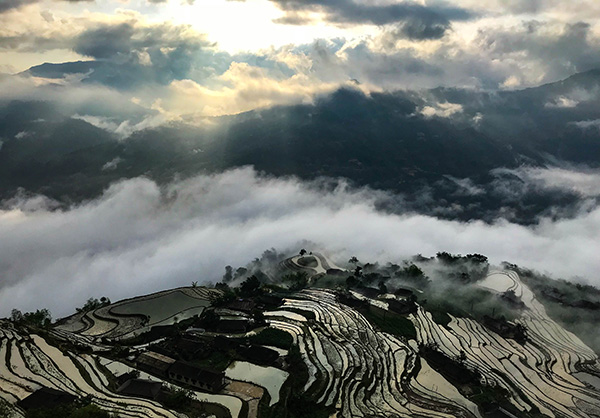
[
  {"x": 313, "y": 338},
  {"x": 299, "y": 209}
]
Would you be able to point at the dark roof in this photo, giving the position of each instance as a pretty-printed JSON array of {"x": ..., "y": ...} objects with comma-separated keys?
[
  {"x": 190, "y": 346},
  {"x": 270, "y": 299},
  {"x": 196, "y": 373},
  {"x": 369, "y": 292},
  {"x": 401, "y": 306},
  {"x": 46, "y": 398},
  {"x": 403, "y": 292},
  {"x": 141, "y": 388},
  {"x": 350, "y": 300},
  {"x": 242, "y": 305},
  {"x": 155, "y": 361}
]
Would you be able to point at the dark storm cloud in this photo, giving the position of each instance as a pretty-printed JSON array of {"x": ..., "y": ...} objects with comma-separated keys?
[
  {"x": 130, "y": 54},
  {"x": 562, "y": 49},
  {"x": 417, "y": 22},
  {"x": 6, "y": 5},
  {"x": 110, "y": 41},
  {"x": 13, "y": 4}
]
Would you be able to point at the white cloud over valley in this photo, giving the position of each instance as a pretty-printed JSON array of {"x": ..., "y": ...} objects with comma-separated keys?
[{"x": 139, "y": 237}]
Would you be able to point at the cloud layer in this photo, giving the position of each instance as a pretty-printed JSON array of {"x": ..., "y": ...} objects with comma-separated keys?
[{"x": 139, "y": 238}]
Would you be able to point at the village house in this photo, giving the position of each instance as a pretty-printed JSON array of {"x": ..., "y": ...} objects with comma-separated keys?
[
  {"x": 197, "y": 377},
  {"x": 242, "y": 305},
  {"x": 154, "y": 363}
]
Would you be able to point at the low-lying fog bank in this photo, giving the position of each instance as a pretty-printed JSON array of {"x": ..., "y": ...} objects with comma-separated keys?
[{"x": 138, "y": 237}]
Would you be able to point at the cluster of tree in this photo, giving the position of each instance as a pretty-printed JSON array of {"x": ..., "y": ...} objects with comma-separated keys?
[
  {"x": 231, "y": 275},
  {"x": 297, "y": 280},
  {"x": 5, "y": 409},
  {"x": 178, "y": 399},
  {"x": 466, "y": 269},
  {"x": 264, "y": 267},
  {"x": 72, "y": 410},
  {"x": 41, "y": 318},
  {"x": 93, "y": 303},
  {"x": 412, "y": 273},
  {"x": 250, "y": 287}
]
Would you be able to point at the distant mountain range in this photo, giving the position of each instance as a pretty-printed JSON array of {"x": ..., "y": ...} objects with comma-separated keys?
[{"x": 425, "y": 145}]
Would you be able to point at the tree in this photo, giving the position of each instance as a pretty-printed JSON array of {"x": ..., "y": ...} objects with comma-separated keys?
[
  {"x": 298, "y": 280},
  {"x": 93, "y": 303},
  {"x": 16, "y": 316},
  {"x": 352, "y": 281},
  {"x": 240, "y": 272},
  {"x": 250, "y": 286},
  {"x": 178, "y": 398},
  {"x": 41, "y": 318},
  {"x": 228, "y": 276},
  {"x": 89, "y": 411},
  {"x": 353, "y": 260},
  {"x": 258, "y": 316},
  {"x": 302, "y": 251},
  {"x": 222, "y": 286},
  {"x": 72, "y": 410},
  {"x": 209, "y": 319},
  {"x": 195, "y": 284},
  {"x": 477, "y": 258},
  {"x": 5, "y": 410}
]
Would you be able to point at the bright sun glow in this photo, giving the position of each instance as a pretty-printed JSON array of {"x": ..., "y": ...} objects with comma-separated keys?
[{"x": 243, "y": 26}]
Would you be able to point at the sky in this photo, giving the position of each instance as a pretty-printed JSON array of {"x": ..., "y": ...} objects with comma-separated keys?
[{"x": 216, "y": 57}]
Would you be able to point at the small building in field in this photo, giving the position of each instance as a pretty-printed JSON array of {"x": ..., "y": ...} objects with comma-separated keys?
[
  {"x": 139, "y": 388},
  {"x": 403, "y": 292},
  {"x": 402, "y": 306},
  {"x": 369, "y": 292},
  {"x": 203, "y": 379},
  {"x": 154, "y": 363},
  {"x": 242, "y": 305},
  {"x": 270, "y": 301},
  {"x": 190, "y": 348}
]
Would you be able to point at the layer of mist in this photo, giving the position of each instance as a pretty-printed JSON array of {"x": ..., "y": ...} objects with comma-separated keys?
[{"x": 139, "y": 237}]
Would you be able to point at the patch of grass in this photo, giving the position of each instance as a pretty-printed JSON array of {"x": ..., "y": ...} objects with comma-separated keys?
[
  {"x": 389, "y": 322},
  {"x": 440, "y": 317},
  {"x": 466, "y": 301}
]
